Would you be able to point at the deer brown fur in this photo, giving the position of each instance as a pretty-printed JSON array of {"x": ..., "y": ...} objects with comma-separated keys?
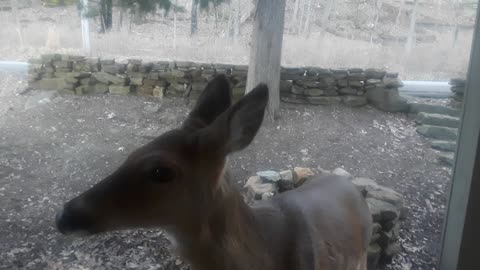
[{"x": 178, "y": 183}]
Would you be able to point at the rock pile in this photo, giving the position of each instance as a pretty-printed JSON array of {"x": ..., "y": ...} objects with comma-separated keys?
[
  {"x": 386, "y": 206},
  {"x": 79, "y": 75}
]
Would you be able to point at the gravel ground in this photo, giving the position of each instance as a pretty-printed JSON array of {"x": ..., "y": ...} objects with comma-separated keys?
[{"x": 54, "y": 147}]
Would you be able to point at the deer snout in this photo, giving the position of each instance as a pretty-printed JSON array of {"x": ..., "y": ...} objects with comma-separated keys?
[{"x": 74, "y": 219}]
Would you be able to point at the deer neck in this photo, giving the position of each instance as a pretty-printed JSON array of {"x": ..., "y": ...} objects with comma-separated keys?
[{"x": 228, "y": 237}]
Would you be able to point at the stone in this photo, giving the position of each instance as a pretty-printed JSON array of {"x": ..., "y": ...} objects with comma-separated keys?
[
  {"x": 447, "y": 146},
  {"x": 373, "y": 256},
  {"x": 286, "y": 175},
  {"x": 312, "y": 84},
  {"x": 432, "y": 108},
  {"x": 144, "y": 90},
  {"x": 114, "y": 68},
  {"x": 119, "y": 90},
  {"x": 373, "y": 82},
  {"x": 301, "y": 175},
  {"x": 62, "y": 64},
  {"x": 375, "y": 74},
  {"x": 285, "y": 86},
  {"x": 51, "y": 57},
  {"x": 132, "y": 68},
  {"x": 314, "y": 92},
  {"x": 388, "y": 100},
  {"x": 253, "y": 180},
  {"x": 108, "y": 78},
  {"x": 362, "y": 183},
  {"x": 160, "y": 66},
  {"x": 391, "y": 75},
  {"x": 342, "y": 83},
  {"x": 437, "y": 120},
  {"x": 267, "y": 195},
  {"x": 347, "y": 91},
  {"x": 83, "y": 90},
  {"x": 198, "y": 86},
  {"x": 145, "y": 68},
  {"x": 382, "y": 211},
  {"x": 341, "y": 172},
  {"x": 107, "y": 61},
  {"x": 385, "y": 194},
  {"x": 238, "y": 93},
  {"x": 447, "y": 158},
  {"x": 100, "y": 88},
  {"x": 324, "y": 100},
  {"x": 356, "y": 84},
  {"x": 354, "y": 101},
  {"x": 257, "y": 190},
  {"x": 297, "y": 90},
  {"x": 392, "y": 82},
  {"x": 361, "y": 76},
  {"x": 355, "y": 70},
  {"x": 440, "y": 133},
  {"x": 269, "y": 176},
  {"x": 392, "y": 249},
  {"x": 158, "y": 91},
  {"x": 137, "y": 80}
]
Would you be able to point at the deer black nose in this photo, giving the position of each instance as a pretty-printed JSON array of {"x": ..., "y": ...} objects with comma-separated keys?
[
  {"x": 61, "y": 222},
  {"x": 72, "y": 219}
]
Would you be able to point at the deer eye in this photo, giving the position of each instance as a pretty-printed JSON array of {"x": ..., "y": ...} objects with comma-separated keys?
[{"x": 163, "y": 174}]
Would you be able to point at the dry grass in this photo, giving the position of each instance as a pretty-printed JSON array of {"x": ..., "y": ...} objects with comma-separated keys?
[{"x": 428, "y": 61}]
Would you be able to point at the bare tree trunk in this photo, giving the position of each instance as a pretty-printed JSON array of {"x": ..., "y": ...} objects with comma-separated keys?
[
  {"x": 120, "y": 22},
  {"x": 306, "y": 26},
  {"x": 194, "y": 18},
  {"x": 106, "y": 12},
  {"x": 302, "y": 16},
  {"x": 18, "y": 26},
  {"x": 411, "y": 33},
  {"x": 295, "y": 16},
  {"x": 236, "y": 21},
  {"x": 326, "y": 15},
  {"x": 266, "y": 51},
  {"x": 175, "y": 29},
  {"x": 399, "y": 14}
]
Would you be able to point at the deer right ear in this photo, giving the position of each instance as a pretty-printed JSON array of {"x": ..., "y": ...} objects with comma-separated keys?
[
  {"x": 236, "y": 128},
  {"x": 214, "y": 100}
]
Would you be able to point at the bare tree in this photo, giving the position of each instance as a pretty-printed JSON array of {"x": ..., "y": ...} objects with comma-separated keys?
[
  {"x": 327, "y": 12},
  {"x": 266, "y": 51},
  {"x": 194, "y": 18},
  {"x": 18, "y": 26},
  {"x": 399, "y": 14},
  {"x": 295, "y": 15},
  {"x": 411, "y": 39},
  {"x": 309, "y": 11}
]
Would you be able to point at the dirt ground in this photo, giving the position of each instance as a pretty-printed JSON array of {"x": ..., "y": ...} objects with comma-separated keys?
[{"x": 54, "y": 147}]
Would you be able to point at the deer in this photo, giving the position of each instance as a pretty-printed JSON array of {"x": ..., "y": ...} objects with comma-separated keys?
[{"x": 179, "y": 183}]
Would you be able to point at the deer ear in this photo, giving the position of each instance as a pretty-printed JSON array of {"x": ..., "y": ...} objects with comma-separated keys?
[
  {"x": 214, "y": 100},
  {"x": 235, "y": 129}
]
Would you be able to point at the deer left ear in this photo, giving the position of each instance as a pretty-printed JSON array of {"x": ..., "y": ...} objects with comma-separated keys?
[{"x": 214, "y": 100}]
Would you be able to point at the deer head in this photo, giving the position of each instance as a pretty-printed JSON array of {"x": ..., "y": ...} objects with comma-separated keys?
[{"x": 173, "y": 180}]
